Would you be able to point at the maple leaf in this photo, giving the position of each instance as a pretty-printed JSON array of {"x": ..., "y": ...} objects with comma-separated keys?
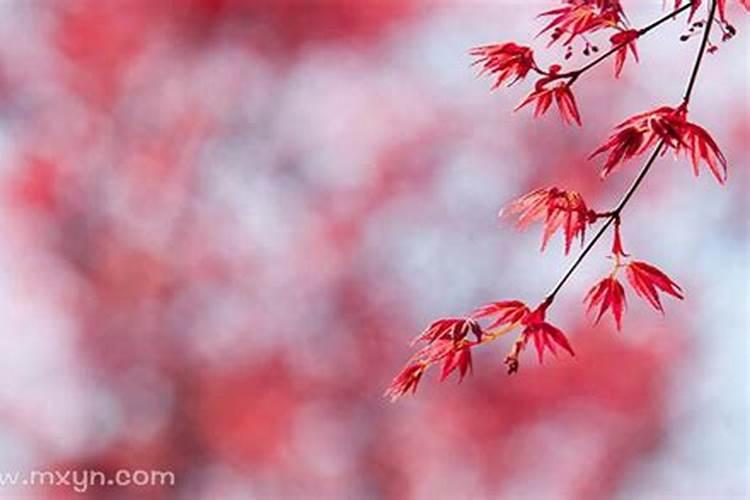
[
  {"x": 509, "y": 312},
  {"x": 447, "y": 343},
  {"x": 544, "y": 334},
  {"x": 560, "y": 94},
  {"x": 557, "y": 208},
  {"x": 698, "y": 144},
  {"x": 608, "y": 294},
  {"x": 626, "y": 40},
  {"x": 638, "y": 133},
  {"x": 449, "y": 329},
  {"x": 579, "y": 18},
  {"x": 506, "y": 60},
  {"x": 451, "y": 352},
  {"x": 647, "y": 280},
  {"x": 459, "y": 358},
  {"x": 407, "y": 379}
]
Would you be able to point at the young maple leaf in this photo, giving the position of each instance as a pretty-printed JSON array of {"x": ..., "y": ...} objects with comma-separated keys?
[
  {"x": 646, "y": 280},
  {"x": 543, "y": 333},
  {"x": 698, "y": 144},
  {"x": 449, "y": 329},
  {"x": 506, "y": 60},
  {"x": 581, "y": 17},
  {"x": 447, "y": 343},
  {"x": 509, "y": 312},
  {"x": 557, "y": 208},
  {"x": 441, "y": 350},
  {"x": 608, "y": 294},
  {"x": 626, "y": 40},
  {"x": 638, "y": 133},
  {"x": 560, "y": 93},
  {"x": 458, "y": 358},
  {"x": 407, "y": 379}
]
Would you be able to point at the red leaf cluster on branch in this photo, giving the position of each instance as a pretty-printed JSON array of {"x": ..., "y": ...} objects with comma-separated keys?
[
  {"x": 558, "y": 209},
  {"x": 657, "y": 130},
  {"x": 506, "y": 60},
  {"x": 579, "y": 18},
  {"x": 669, "y": 126}
]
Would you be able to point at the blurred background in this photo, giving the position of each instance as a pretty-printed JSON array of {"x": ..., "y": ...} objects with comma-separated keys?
[{"x": 224, "y": 221}]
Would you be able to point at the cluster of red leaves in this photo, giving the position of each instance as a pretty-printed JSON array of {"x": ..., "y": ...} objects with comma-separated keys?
[
  {"x": 506, "y": 60},
  {"x": 447, "y": 342},
  {"x": 512, "y": 62},
  {"x": 666, "y": 125},
  {"x": 543, "y": 334},
  {"x": 557, "y": 209},
  {"x": 644, "y": 278},
  {"x": 510, "y": 314},
  {"x": 545, "y": 93},
  {"x": 609, "y": 294},
  {"x": 566, "y": 211},
  {"x": 580, "y": 17}
]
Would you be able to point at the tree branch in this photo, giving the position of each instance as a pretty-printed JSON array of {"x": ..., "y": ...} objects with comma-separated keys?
[{"x": 614, "y": 214}]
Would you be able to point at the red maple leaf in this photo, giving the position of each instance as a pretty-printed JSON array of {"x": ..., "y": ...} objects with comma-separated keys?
[
  {"x": 581, "y": 17},
  {"x": 560, "y": 93},
  {"x": 646, "y": 280},
  {"x": 407, "y": 379},
  {"x": 638, "y": 133},
  {"x": 508, "y": 312},
  {"x": 449, "y": 329},
  {"x": 447, "y": 343},
  {"x": 506, "y": 60},
  {"x": 544, "y": 334},
  {"x": 626, "y": 40},
  {"x": 608, "y": 294},
  {"x": 557, "y": 208},
  {"x": 458, "y": 358},
  {"x": 697, "y": 143}
]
